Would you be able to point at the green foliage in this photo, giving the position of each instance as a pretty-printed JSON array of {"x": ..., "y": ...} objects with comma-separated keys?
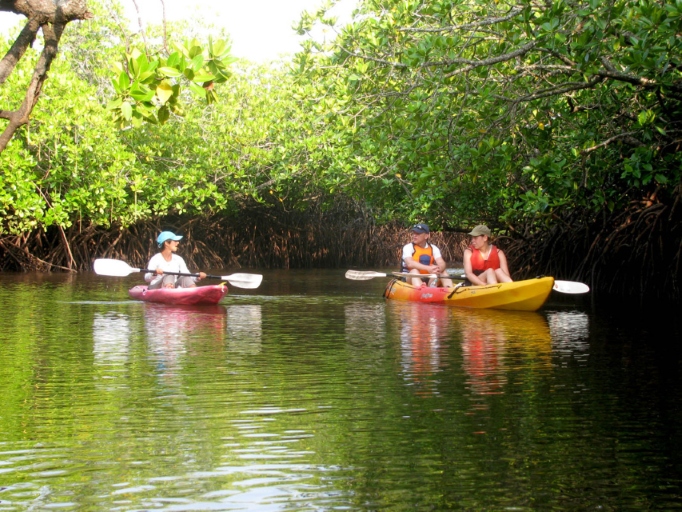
[
  {"x": 463, "y": 110},
  {"x": 148, "y": 89},
  {"x": 71, "y": 164},
  {"x": 68, "y": 164},
  {"x": 92, "y": 47},
  {"x": 450, "y": 111}
]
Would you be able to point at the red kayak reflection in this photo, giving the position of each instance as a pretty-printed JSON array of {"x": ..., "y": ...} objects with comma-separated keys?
[
  {"x": 423, "y": 328},
  {"x": 170, "y": 330}
]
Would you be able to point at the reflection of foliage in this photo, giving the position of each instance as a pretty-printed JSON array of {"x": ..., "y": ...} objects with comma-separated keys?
[
  {"x": 320, "y": 410},
  {"x": 485, "y": 110}
]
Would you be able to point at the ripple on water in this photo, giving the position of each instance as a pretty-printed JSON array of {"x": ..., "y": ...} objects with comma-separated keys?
[{"x": 295, "y": 397}]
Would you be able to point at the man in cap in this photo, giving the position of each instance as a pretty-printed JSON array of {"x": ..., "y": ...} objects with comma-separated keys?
[
  {"x": 421, "y": 257},
  {"x": 483, "y": 262}
]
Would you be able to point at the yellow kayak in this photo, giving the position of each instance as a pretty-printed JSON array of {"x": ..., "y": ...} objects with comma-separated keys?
[{"x": 527, "y": 295}]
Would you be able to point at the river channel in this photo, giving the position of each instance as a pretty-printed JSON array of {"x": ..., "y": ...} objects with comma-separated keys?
[{"x": 313, "y": 392}]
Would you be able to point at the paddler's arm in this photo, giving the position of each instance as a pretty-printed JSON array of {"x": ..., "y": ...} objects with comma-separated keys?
[
  {"x": 473, "y": 278},
  {"x": 413, "y": 264},
  {"x": 185, "y": 270},
  {"x": 442, "y": 271},
  {"x": 153, "y": 267},
  {"x": 504, "y": 267}
]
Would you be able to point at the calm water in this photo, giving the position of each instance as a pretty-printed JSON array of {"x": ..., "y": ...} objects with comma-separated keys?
[{"x": 313, "y": 393}]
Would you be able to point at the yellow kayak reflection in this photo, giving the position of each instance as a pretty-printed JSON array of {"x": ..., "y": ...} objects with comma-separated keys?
[{"x": 493, "y": 343}]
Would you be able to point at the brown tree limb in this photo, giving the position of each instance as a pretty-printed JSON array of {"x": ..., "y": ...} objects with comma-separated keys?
[
  {"x": 51, "y": 16},
  {"x": 139, "y": 22},
  {"x": 472, "y": 64},
  {"x": 467, "y": 26},
  {"x": 52, "y": 34},
  {"x": 165, "y": 30},
  {"x": 627, "y": 137},
  {"x": 48, "y": 10},
  {"x": 16, "y": 52}
]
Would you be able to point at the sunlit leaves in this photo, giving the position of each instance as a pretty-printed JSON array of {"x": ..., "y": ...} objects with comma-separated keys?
[{"x": 149, "y": 88}]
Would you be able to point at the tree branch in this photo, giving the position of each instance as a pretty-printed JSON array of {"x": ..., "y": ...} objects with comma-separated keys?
[
  {"x": 139, "y": 22},
  {"x": 467, "y": 26},
  {"x": 48, "y": 10},
  {"x": 628, "y": 137},
  {"x": 473, "y": 64},
  {"x": 14, "y": 54},
  {"x": 559, "y": 89},
  {"x": 52, "y": 33}
]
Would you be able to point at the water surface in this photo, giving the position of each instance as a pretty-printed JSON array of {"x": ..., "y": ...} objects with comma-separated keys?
[{"x": 314, "y": 393}]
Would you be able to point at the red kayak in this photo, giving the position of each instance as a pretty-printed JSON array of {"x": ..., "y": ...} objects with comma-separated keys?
[{"x": 210, "y": 294}]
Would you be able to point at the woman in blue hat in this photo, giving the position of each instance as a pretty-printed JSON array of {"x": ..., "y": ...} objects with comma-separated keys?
[{"x": 168, "y": 261}]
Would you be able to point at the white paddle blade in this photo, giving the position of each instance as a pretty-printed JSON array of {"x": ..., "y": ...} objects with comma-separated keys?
[
  {"x": 570, "y": 287},
  {"x": 363, "y": 275},
  {"x": 248, "y": 281},
  {"x": 116, "y": 268}
]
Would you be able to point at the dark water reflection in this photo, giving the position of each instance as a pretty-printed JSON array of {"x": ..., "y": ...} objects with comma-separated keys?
[{"x": 313, "y": 393}]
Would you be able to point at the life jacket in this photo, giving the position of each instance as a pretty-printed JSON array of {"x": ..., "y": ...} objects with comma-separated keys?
[
  {"x": 479, "y": 265},
  {"x": 423, "y": 255}
]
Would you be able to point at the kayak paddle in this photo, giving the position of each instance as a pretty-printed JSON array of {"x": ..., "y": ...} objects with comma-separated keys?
[
  {"x": 570, "y": 287},
  {"x": 364, "y": 275},
  {"x": 118, "y": 268}
]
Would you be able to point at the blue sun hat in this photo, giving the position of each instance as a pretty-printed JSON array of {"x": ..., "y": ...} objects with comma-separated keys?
[{"x": 167, "y": 235}]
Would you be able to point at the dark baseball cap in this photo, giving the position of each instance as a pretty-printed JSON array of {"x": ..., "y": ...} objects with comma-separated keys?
[{"x": 420, "y": 228}]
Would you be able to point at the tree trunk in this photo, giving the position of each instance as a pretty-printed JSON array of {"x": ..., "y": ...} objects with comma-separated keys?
[{"x": 51, "y": 16}]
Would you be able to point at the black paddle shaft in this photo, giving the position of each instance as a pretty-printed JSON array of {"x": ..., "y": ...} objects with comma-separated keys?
[{"x": 177, "y": 273}]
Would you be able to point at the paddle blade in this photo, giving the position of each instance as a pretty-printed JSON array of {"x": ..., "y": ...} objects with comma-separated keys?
[
  {"x": 116, "y": 268},
  {"x": 363, "y": 275},
  {"x": 248, "y": 281},
  {"x": 570, "y": 287}
]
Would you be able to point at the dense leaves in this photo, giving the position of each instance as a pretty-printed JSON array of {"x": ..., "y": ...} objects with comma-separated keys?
[
  {"x": 504, "y": 111},
  {"x": 537, "y": 118},
  {"x": 72, "y": 165}
]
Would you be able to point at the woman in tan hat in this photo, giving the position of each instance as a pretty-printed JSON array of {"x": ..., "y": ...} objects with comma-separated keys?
[{"x": 483, "y": 262}]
